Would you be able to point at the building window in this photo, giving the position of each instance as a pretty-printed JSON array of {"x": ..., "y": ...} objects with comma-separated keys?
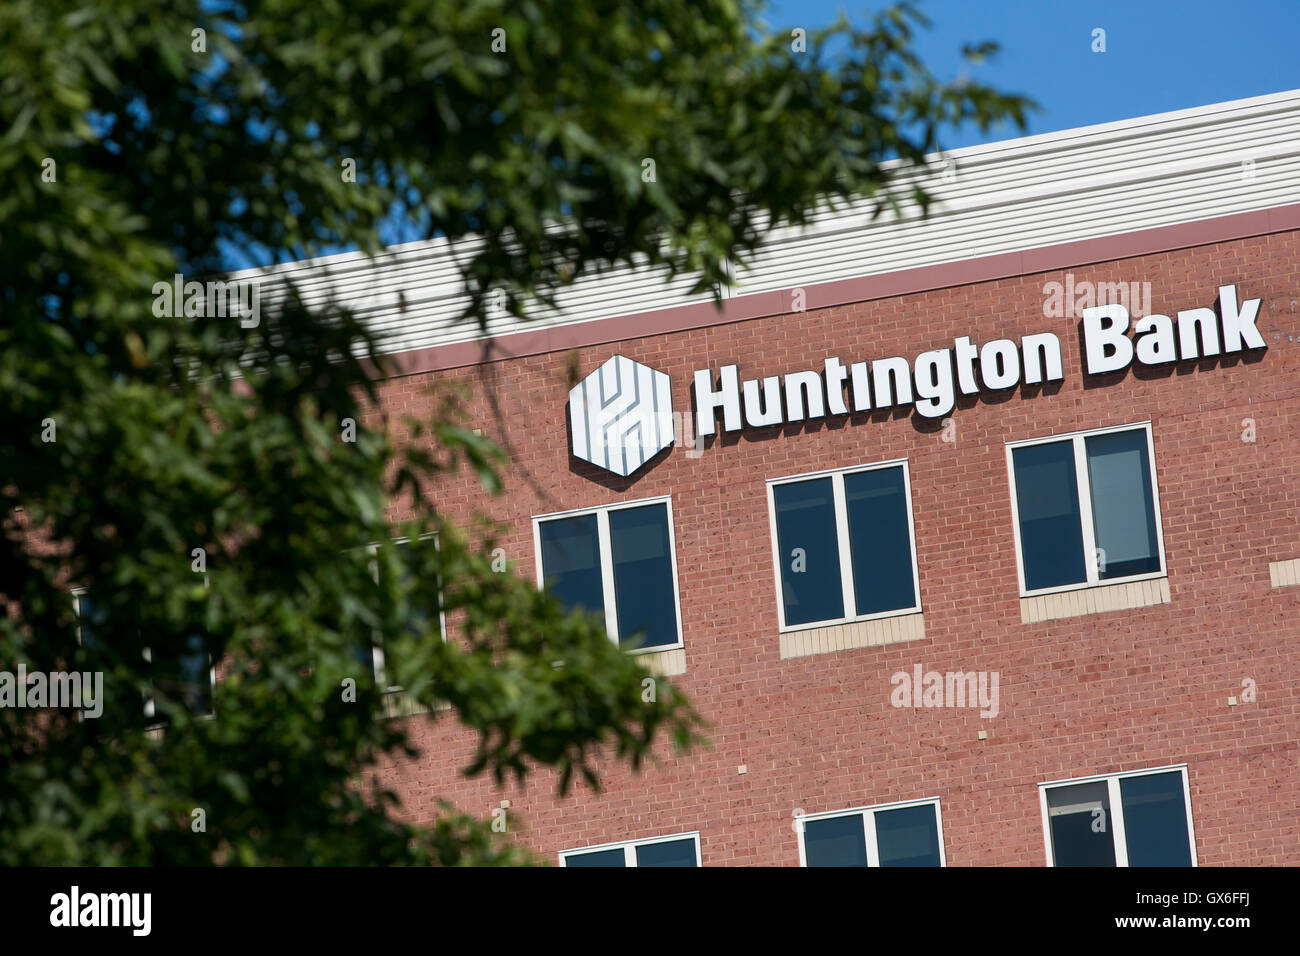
[
  {"x": 842, "y": 543},
  {"x": 682, "y": 849},
  {"x": 374, "y": 657},
  {"x": 896, "y": 834},
  {"x": 1124, "y": 819},
  {"x": 187, "y": 676},
  {"x": 1086, "y": 509},
  {"x": 184, "y": 674},
  {"x": 618, "y": 562}
]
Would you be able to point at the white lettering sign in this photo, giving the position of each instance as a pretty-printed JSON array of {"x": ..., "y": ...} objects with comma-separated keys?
[{"x": 934, "y": 379}]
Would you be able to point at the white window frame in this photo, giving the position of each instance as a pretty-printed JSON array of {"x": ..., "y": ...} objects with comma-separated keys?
[
  {"x": 868, "y": 815},
  {"x": 1085, "y": 508},
  {"x": 150, "y": 705},
  {"x": 607, "y": 562},
  {"x": 629, "y": 848},
  {"x": 377, "y": 650},
  {"x": 845, "y": 551},
  {"x": 1115, "y": 798}
]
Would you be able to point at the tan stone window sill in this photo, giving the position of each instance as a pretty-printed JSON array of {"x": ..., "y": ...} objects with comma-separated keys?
[
  {"x": 1095, "y": 600},
  {"x": 843, "y": 637}
]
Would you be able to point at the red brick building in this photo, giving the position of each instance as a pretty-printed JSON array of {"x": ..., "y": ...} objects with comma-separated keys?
[{"x": 1105, "y": 564}]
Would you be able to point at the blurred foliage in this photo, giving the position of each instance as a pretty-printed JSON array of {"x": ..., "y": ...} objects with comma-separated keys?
[{"x": 131, "y": 151}]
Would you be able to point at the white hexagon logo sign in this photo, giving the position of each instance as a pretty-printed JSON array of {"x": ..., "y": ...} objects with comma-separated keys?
[{"x": 621, "y": 415}]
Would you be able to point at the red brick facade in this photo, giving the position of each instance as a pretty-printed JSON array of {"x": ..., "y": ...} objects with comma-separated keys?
[{"x": 1118, "y": 691}]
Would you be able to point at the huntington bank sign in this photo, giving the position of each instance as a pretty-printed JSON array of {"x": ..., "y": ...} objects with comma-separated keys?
[{"x": 621, "y": 415}]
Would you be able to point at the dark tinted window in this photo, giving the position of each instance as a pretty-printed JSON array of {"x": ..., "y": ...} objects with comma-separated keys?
[
  {"x": 672, "y": 853},
  {"x": 597, "y": 858},
  {"x": 180, "y": 672},
  {"x": 643, "y": 576},
  {"x": 908, "y": 837},
  {"x": 423, "y": 599},
  {"x": 1155, "y": 820},
  {"x": 880, "y": 542},
  {"x": 101, "y": 651},
  {"x": 837, "y": 841},
  {"x": 92, "y": 623},
  {"x": 811, "y": 586},
  {"x": 183, "y": 674},
  {"x": 571, "y": 562},
  {"x": 1080, "y": 823},
  {"x": 1051, "y": 531},
  {"x": 418, "y": 621},
  {"x": 1123, "y": 508},
  {"x": 364, "y": 655}
]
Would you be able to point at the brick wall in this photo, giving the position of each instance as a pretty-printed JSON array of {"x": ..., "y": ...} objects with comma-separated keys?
[{"x": 1124, "y": 690}]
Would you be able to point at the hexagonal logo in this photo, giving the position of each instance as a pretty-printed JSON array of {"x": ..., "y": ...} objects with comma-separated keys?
[{"x": 621, "y": 415}]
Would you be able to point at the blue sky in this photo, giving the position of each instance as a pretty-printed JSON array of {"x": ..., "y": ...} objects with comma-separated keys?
[{"x": 1160, "y": 55}]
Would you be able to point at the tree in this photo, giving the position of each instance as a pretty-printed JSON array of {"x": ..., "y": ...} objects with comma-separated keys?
[{"x": 193, "y": 471}]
